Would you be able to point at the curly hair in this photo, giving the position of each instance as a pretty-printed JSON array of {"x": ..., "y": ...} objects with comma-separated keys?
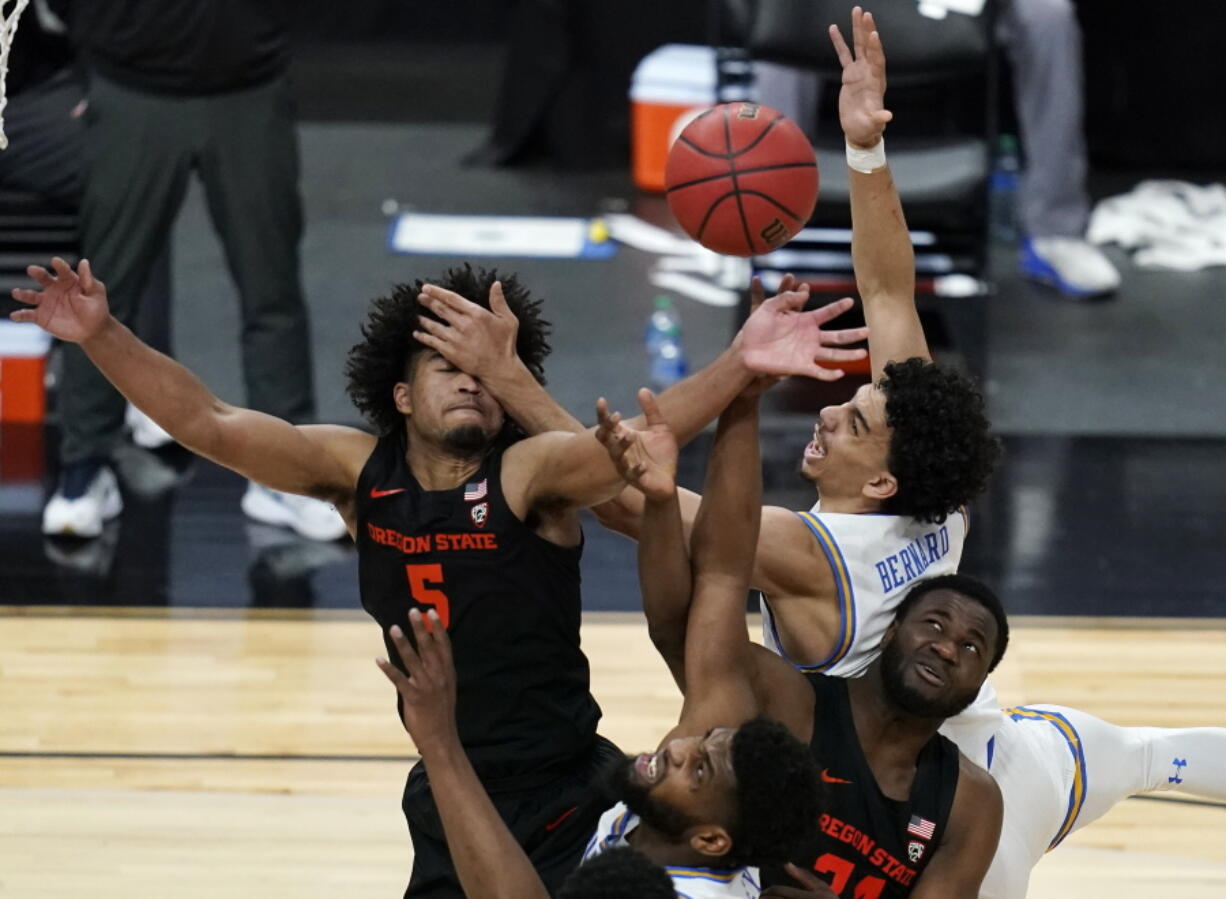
[
  {"x": 778, "y": 794},
  {"x": 940, "y": 449},
  {"x": 387, "y": 351},
  {"x": 618, "y": 873},
  {"x": 970, "y": 588}
]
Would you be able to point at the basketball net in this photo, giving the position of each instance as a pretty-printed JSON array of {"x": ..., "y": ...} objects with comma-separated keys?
[{"x": 8, "y": 30}]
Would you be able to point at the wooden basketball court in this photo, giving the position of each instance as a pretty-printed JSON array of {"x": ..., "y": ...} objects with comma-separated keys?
[{"x": 147, "y": 753}]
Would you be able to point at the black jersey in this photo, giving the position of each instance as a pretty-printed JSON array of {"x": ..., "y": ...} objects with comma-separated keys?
[
  {"x": 509, "y": 599},
  {"x": 868, "y": 845}
]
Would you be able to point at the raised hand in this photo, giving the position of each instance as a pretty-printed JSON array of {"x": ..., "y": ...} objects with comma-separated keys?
[
  {"x": 71, "y": 305},
  {"x": 646, "y": 458},
  {"x": 780, "y": 339},
  {"x": 862, "y": 111},
  {"x": 428, "y": 692},
  {"x": 474, "y": 339}
]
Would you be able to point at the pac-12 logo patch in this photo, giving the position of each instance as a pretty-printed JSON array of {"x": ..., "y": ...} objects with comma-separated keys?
[
  {"x": 915, "y": 851},
  {"x": 479, "y": 513}
]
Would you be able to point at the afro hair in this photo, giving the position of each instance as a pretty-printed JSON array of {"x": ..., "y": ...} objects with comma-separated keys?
[
  {"x": 387, "y": 351},
  {"x": 778, "y": 794},
  {"x": 940, "y": 449},
  {"x": 618, "y": 873}
]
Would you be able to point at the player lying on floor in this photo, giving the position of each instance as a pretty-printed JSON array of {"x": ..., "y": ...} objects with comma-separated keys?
[{"x": 701, "y": 811}]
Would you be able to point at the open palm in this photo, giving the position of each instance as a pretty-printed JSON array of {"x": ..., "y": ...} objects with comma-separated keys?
[
  {"x": 71, "y": 305},
  {"x": 779, "y": 338},
  {"x": 645, "y": 457},
  {"x": 862, "y": 111}
]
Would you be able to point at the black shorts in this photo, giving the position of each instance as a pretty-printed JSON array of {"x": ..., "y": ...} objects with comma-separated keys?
[{"x": 553, "y": 821}]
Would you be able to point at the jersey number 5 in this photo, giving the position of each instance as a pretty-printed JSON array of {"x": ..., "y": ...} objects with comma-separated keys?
[
  {"x": 842, "y": 869},
  {"x": 424, "y": 581}
]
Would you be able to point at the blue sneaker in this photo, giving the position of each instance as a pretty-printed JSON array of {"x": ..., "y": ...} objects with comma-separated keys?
[{"x": 1073, "y": 266}]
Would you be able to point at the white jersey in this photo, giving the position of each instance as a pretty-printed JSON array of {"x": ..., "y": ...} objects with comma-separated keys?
[
  {"x": 690, "y": 883},
  {"x": 876, "y": 559}
]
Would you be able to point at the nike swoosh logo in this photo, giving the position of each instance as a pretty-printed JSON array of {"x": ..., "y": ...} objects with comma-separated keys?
[
  {"x": 828, "y": 778},
  {"x": 376, "y": 493}
]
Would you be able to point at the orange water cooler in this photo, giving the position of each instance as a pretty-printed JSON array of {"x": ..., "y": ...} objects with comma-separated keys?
[{"x": 670, "y": 86}]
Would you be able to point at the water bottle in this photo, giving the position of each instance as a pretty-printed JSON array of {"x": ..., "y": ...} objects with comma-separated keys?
[
  {"x": 1002, "y": 191},
  {"x": 665, "y": 357}
]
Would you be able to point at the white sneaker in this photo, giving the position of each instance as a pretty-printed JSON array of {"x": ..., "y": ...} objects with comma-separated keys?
[
  {"x": 1070, "y": 264},
  {"x": 146, "y": 432},
  {"x": 311, "y": 518},
  {"x": 82, "y": 516}
]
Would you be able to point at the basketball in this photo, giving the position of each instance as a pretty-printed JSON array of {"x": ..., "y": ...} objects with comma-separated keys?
[{"x": 741, "y": 179}]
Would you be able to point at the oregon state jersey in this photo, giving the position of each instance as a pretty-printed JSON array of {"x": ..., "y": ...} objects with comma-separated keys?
[
  {"x": 690, "y": 883},
  {"x": 875, "y": 560},
  {"x": 508, "y": 597},
  {"x": 868, "y": 845}
]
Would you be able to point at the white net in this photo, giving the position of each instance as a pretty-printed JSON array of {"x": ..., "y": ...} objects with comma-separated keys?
[{"x": 10, "y": 12}]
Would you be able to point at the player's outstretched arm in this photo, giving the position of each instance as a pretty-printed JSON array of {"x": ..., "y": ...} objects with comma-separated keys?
[
  {"x": 881, "y": 250},
  {"x": 481, "y": 342},
  {"x": 315, "y": 460},
  {"x": 488, "y": 860},
  {"x": 728, "y": 678},
  {"x": 663, "y": 558},
  {"x": 969, "y": 842}
]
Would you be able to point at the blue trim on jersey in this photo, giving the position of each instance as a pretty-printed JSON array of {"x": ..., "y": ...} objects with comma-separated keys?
[
  {"x": 991, "y": 751},
  {"x": 845, "y": 591},
  {"x": 717, "y": 875}
]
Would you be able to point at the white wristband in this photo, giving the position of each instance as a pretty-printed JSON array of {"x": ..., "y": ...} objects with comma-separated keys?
[{"x": 867, "y": 160}]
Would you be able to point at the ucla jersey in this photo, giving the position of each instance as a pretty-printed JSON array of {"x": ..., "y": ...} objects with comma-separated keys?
[
  {"x": 875, "y": 560},
  {"x": 690, "y": 883}
]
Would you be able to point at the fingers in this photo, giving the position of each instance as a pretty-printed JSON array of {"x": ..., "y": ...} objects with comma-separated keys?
[
  {"x": 62, "y": 268},
  {"x": 825, "y": 374},
  {"x": 24, "y": 316},
  {"x": 651, "y": 409},
  {"x": 40, "y": 275},
  {"x": 857, "y": 31},
  {"x": 788, "y": 282},
  {"x": 408, "y": 655},
  {"x": 823, "y": 314},
  {"x": 392, "y": 673},
  {"x": 86, "y": 274},
  {"x": 498, "y": 302},
  {"x": 840, "y": 46},
  {"x": 844, "y": 337},
  {"x": 438, "y": 329},
  {"x": 29, "y": 297},
  {"x": 757, "y": 293},
  {"x": 446, "y": 304},
  {"x": 831, "y": 355},
  {"x": 793, "y": 299}
]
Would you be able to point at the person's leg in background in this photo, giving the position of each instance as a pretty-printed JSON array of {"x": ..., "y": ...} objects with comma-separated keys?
[
  {"x": 249, "y": 166},
  {"x": 137, "y": 160},
  {"x": 1043, "y": 42}
]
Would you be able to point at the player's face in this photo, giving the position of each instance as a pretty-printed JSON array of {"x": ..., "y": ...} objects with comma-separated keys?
[
  {"x": 938, "y": 657},
  {"x": 449, "y": 406},
  {"x": 850, "y": 446},
  {"x": 687, "y": 781}
]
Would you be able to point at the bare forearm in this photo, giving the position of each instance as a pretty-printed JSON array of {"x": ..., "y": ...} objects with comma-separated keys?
[
  {"x": 884, "y": 262},
  {"x": 722, "y": 545},
  {"x": 157, "y": 385},
  {"x": 488, "y": 860},
  {"x": 664, "y": 581},
  {"x": 528, "y": 402},
  {"x": 726, "y": 528},
  {"x": 694, "y": 403}
]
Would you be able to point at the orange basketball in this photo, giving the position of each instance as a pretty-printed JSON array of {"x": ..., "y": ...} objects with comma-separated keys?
[{"x": 741, "y": 179}]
